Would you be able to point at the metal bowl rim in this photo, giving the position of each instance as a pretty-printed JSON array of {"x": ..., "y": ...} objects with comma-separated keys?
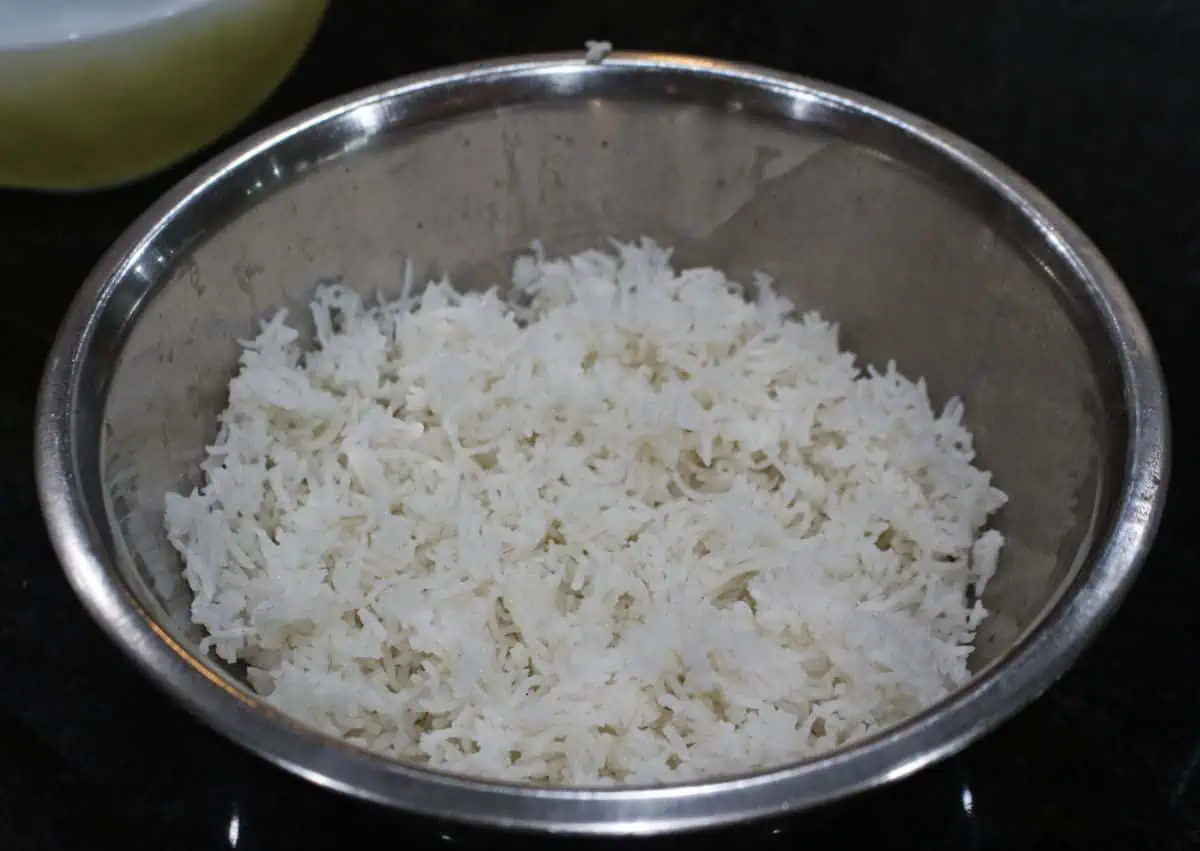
[{"x": 988, "y": 700}]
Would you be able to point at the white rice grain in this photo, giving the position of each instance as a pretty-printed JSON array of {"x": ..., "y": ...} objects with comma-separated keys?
[
  {"x": 597, "y": 51},
  {"x": 640, "y": 529}
]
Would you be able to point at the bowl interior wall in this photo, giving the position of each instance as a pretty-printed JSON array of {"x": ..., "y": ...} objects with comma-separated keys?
[{"x": 916, "y": 262}]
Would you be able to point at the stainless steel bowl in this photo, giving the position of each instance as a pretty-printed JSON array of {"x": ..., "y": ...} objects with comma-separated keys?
[{"x": 924, "y": 248}]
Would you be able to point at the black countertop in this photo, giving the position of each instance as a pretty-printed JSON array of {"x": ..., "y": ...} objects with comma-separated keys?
[{"x": 1097, "y": 102}]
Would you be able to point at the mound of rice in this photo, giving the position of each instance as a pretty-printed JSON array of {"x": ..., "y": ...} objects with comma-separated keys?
[{"x": 625, "y": 525}]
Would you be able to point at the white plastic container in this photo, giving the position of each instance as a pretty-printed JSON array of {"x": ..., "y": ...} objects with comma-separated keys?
[{"x": 98, "y": 92}]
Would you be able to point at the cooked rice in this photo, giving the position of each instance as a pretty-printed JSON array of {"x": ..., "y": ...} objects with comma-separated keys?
[{"x": 626, "y": 524}]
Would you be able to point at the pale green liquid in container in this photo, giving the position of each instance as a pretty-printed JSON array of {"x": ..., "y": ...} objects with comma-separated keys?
[{"x": 103, "y": 109}]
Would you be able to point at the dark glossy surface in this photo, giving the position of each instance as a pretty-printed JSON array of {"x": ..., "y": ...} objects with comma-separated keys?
[{"x": 1098, "y": 103}]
